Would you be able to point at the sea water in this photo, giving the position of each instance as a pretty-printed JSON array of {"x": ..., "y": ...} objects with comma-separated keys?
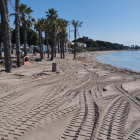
[{"x": 129, "y": 60}]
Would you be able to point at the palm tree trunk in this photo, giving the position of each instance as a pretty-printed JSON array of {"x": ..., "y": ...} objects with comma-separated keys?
[
  {"x": 61, "y": 45},
  {"x": 40, "y": 45},
  {"x": 9, "y": 34},
  {"x": 75, "y": 44},
  {"x": 55, "y": 51},
  {"x": 25, "y": 39},
  {"x": 6, "y": 33},
  {"x": 17, "y": 34},
  {"x": 65, "y": 46},
  {"x": 0, "y": 42},
  {"x": 53, "y": 44},
  {"x": 46, "y": 36},
  {"x": 0, "y": 51},
  {"x": 58, "y": 47}
]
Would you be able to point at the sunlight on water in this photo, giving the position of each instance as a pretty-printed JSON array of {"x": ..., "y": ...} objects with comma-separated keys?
[{"x": 129, "y": 60}]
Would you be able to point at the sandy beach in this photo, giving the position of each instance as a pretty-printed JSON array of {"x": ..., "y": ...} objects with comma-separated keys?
[{"x": 83, "y": 100}]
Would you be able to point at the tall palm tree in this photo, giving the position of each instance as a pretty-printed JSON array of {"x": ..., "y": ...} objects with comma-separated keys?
[
  {"x": 1, "y": 40},
  {"x": 52, "y": 18},
  {"x": 64, "y": 28},
  {"x": 39, "y": 26},
  {"x": 65, "y": 39},
  {"x": 76, "y": 24},
  {"x": 57, "y": 40},
  {"x": 46, "y": 28},
  {"x": 60, "y": 24},
  {"x": 61, "y": 45},
  {"x": 46, "y": 36},
  {"x": 17, "y": 26},
  {"x": 6, "y": 33},
  {"x": 63, "y": 25},
  {"x": 27, "y": 21}
]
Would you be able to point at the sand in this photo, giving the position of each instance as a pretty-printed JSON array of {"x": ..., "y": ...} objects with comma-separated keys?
[{"x": 83, "y": 100}]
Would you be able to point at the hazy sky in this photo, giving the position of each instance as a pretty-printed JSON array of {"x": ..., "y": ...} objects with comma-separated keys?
[{"x": 116, "y": 21}]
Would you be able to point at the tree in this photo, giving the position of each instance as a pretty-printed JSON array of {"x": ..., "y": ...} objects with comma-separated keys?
[
  {"x": 92, "y": 45},
  {"x": 17, "y": 25},
  {"x": 52, "y": 19},
  {"x": 6, "y": 33},
  {"x": 76, "y": 25},
  {"x": 39, "y": 26},
  {"x": 46, "y": 28},
  {"x": 57, "y": 40},
  {"x": 62, "y": 33},
  {"x": 1, "y": 40},
  {"x": 32, "y": 37},
  {"x": 27, "y": 21}
]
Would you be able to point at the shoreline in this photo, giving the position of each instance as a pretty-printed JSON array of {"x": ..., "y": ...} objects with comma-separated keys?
[{"x": 93, "y": 55}]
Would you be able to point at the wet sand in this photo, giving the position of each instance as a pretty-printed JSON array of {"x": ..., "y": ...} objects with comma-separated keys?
[{"x": 83, "y": 100}]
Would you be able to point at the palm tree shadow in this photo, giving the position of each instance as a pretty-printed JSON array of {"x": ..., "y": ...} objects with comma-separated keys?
[
  {"x": 49, "y": 59},
  {"x": 47, "y": 71},
  {"x": 2, "y": 71}
]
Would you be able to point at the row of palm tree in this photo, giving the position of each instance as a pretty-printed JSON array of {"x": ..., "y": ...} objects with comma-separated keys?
[
  {"x": 22, "y": 16},
  {"x": 53, "y": 27},
  {"x": 39, "y": 26},
  {"x": 17, "y": 26}
]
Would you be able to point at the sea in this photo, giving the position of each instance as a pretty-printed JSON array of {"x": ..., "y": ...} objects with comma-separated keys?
[{"x": 129, "y": 60}]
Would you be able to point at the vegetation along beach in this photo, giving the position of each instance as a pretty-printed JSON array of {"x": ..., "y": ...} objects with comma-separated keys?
[{"x": 58, "y": 82}]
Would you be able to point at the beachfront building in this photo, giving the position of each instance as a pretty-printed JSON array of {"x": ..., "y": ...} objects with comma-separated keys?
[{"x": 79, "y": 44}]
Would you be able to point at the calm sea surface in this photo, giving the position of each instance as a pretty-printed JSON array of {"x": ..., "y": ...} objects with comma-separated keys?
[{"x": 129, "y": 60}]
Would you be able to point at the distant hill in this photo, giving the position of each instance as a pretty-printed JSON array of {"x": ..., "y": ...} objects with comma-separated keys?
[{"x": 99, "y": 45}]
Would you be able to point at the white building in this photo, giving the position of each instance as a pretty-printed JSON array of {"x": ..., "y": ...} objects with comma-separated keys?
[{"x": 79, "y": 44}]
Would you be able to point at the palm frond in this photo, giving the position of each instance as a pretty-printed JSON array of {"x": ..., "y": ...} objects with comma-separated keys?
[
  {"x": 12, "y": 5},
  {"x": 13, "y": 14},
  {"x": 25, "y": 14}
]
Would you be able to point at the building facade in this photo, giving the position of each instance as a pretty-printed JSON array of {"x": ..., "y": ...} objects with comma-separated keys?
[{"x": 79, "y": 44}]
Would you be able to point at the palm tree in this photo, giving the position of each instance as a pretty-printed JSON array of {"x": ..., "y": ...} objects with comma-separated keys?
[
  {"x": 63, "y": 25},
  {"x": 65, "y": 39},
  {"x": 17, "y": 26},
  {"x": 76, "y": 25},
  {"x": 6, "y": 33},
  {"x": 27, "y": 21},
  {"x": 60, "y": 35},
  {"x": 46, "y": 36},
  {"x": 61, "y": 45},
  {"x": 57, "y": 40},
  {"x": 52, "y": 18},
  {"x": 1, "y": 40},
  {"x": 60, "y": 24},
  {"x": 39, "y": 26},
  {"x": 46, "y": 28}
]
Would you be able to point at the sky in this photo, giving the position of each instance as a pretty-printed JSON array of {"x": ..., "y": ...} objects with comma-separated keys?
[{"x": 116, "y": 21}]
